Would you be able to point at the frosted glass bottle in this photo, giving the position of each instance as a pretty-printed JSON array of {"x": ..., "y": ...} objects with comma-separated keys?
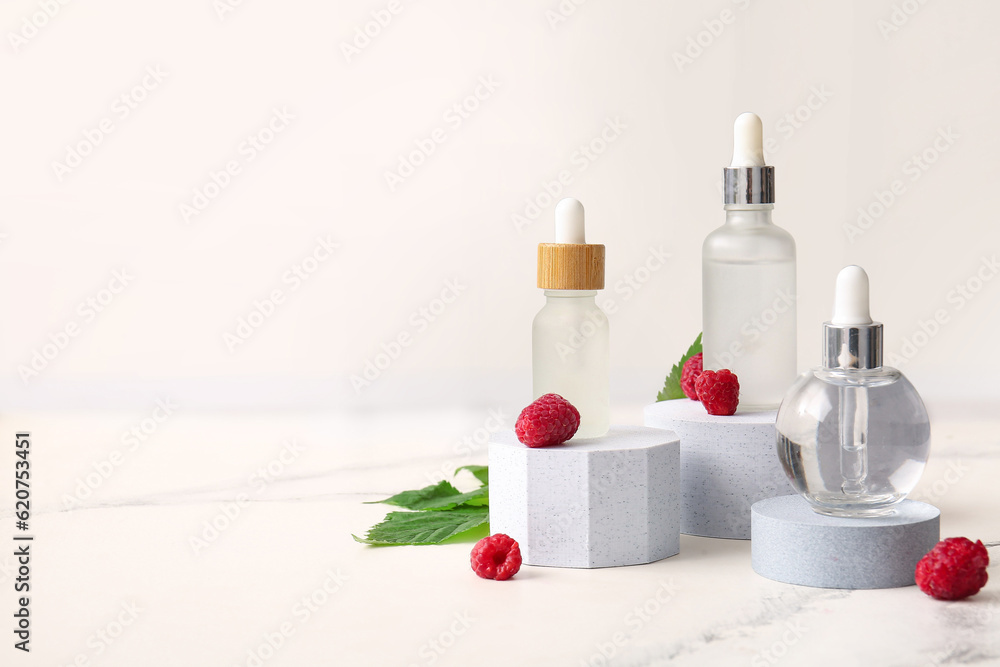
[
  {"x": 569, "y": 336},
  {"x": 571, "y": 356},
  {"x": 748, "y": 280},
  {"x": 748, "y": 304}
]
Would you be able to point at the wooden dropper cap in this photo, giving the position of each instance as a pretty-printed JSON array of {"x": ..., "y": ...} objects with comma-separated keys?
[{"x": 570, "y": 263}]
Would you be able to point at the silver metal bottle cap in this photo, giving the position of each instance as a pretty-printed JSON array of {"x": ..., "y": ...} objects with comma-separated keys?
[
  {"x": 856, "y": 346},
  {"x": 748, "y": 185}
]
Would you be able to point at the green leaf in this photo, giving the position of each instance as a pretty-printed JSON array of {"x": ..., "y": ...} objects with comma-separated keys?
[
  {"x": 481, "y": 472},
  {"x": 672, "y": 385},
  {"x": 471, "y": 535},
  {"x": 437, "y": 497},
  {"x": 424, "y": 527},
  {"x": 481, "y": 500}
]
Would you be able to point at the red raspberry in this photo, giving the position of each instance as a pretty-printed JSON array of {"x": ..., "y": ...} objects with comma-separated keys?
[
  {"x": 719, "y": 391},
  {"x": 551, "y": 420},
  {"x": 954, "y": 569},
  {"x": 690, "y": 373},
  {"x": 496, "y": 557}
]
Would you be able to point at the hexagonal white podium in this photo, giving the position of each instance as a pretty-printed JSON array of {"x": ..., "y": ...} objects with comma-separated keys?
[
  {"x": 599, "y": 502},
  {"x": 727, "y": 464}
]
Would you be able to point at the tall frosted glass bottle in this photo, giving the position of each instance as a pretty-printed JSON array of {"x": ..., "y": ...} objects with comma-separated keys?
[
  {"x": 570, "y": 353},
  {"x": 748, "y": 280}
]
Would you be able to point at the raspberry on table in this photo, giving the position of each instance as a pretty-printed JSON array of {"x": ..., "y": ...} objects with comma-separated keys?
[
  {"x": 954, "y": 569},
  {"x": 718, "y": 391},
  {"x": 496, "y": 557},
  {"x": 550, "y": 420},
  {"x": 692, "y": 369}
]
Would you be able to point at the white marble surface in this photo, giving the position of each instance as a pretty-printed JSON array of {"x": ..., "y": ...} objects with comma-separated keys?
[{"x": 128, "y": 544}]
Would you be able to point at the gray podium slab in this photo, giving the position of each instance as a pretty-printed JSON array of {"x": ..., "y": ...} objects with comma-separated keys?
[
  {"x": 727, "y": 464},
  {"x": 599, "y": 502},
  {"x": 795, "y": 545}
]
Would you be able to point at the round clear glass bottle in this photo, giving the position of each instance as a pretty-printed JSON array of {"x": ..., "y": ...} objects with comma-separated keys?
[
  {"x": 853, "y": 442},
  {"x": 570, "y": 350},
  {"x": 853, "y": 436}
]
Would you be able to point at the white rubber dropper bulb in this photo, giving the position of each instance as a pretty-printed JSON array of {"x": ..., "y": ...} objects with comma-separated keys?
[
  {"x": 569, "y": 221},
  {"x": 748, "y": 141},
  {"x": 850, "y": 301}
]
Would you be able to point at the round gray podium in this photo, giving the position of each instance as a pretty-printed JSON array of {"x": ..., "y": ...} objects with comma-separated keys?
[{"x": 792, "y": 544}]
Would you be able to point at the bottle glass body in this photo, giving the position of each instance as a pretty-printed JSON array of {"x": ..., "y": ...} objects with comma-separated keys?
[
  {"x": 570, "y": 356},
  {"x": 853, "y": 442},
  {"x": 748, "y": 304}
]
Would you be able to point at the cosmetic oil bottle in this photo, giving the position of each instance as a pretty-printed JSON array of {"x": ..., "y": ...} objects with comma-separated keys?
[
  {"x": 853, "y": 435},
  {"x": 748, "y": 280},
  {"x": 569, "y": 336}
]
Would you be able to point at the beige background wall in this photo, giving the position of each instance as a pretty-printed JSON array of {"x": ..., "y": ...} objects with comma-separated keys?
[{"x": 852, "y": 94}]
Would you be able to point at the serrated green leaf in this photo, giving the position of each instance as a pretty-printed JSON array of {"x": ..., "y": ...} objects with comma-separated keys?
[
  {"x": 481, "y": 500},
  {"x": 436, "y": 497},
  {"x": 424, "y": 527},
  {"x": 672, "y": 385},
  {"x": 473, "y": 534},
  {"x": 482, "y": 473}
]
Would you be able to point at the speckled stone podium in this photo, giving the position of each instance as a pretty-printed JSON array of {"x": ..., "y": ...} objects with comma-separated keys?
[
  {"x": 795, "y": 545},
  {"x": 599, "y": 502},
  {"x": 727, "y": 464}
]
